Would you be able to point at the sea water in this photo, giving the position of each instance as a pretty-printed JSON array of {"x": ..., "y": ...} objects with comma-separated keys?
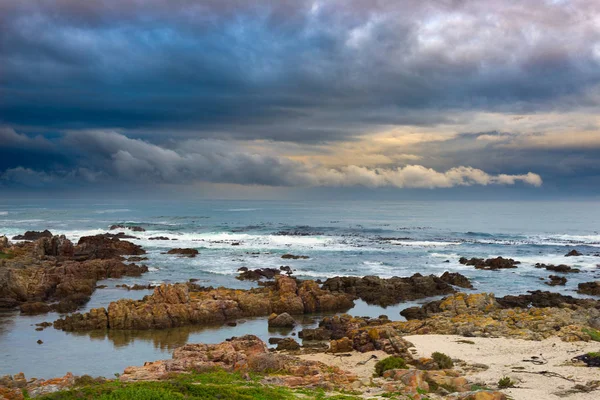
[{"x": 341, "y": 238}]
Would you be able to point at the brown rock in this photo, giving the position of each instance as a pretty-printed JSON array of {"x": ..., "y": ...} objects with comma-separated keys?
[
  {"x": 283, "y": 320},
  {"x": 184, "y": 252}
]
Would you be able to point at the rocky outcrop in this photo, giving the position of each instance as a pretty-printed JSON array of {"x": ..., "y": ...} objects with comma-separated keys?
[
  {"x": 33, "y": 235},
  {"x": 294, "y": 257},
  {"x": 573, "y": 253},
  {"x": 385, "y": 292},
  {"x": 130, "y": 227},
  {"x": 248, "y": 354},
  {"x": 491, "y": 264},
  {"x": 535, "y": 316},
  {"x": 184, "y": 252},
  {"x": 283, "y": 320},
  {"x": 257, "y": 274},
  {"x": 562, "y": 268},
  {"x": 12, "y": 387},
  {"x": 48, "y": 270},
  {"x": 456, "y": 279},
  {"x": 175, "y": 305},
  {"x": 590, "y": 288},
  {"x": 104, "y": 247},
  {"x": 556, "y": 281}
]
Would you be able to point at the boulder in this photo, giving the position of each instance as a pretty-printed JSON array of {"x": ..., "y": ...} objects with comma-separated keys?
[
  {"x": 590, "y": 288},
  {"x": 105, "y": 247},
  {"x": 456, "y": 279},
  {"x": 491, "y": 264},
  {"x": 33, "y": 235},
  {"x": 288, "y": 344},
  {"x": 573, "y": 253},
  {"x": 184, "y": 252},
  {"x": 283, "y": 320}
]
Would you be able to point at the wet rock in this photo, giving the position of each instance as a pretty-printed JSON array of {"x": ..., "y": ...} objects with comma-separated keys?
[
  {"x": 159, "y": 238},
  {"x": 294, "y": 257},
  {"x": 105, "y": 247},
  {"x": 456, "y": 279},
  {"x": 590, "y": 288},
  {"x": 288, "y": 344},
  {"x": 315, "y": 334},
  {"x": 542, "y": 299},
  {"x": 40, "y": 341},
  {"x": 184, "y": 252},
  {"x": 556, "y": 280},
  {"x": 33, "y": 235},
  {"x": 34, "y": 308},
  {"x": 385, "y": 292},
  {"x": 491, "y": 264},
  {"x": 573, "y": 253},
  {"x": 283, "y": 320},
  {"x": 257, "y": 274},
  {"x": 558, "y": 268},
  {"x": 590, "y": 359},
  {"x": 175, "y": 305},
  {"x": 130, "y": 227}
]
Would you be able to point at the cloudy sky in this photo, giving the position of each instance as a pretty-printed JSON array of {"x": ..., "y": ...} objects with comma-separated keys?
[{"x": 360, "y": 96}]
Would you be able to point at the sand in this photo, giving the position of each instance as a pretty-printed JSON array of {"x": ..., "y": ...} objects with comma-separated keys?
[{"x": 502, "y": 355}]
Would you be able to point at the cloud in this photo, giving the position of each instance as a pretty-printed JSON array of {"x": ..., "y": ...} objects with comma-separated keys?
[{"x": 112, "y": 157}]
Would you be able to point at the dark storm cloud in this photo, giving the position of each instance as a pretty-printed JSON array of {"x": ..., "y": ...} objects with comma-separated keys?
[
  {"x": 98, "y": 157},
  {"x": 288, "y": 70}
]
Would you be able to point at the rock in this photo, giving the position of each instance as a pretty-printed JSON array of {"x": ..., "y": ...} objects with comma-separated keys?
[
  {"x": 590, "y": 288},
  {"x": 558, "y": 268},
  {"x": 541, "y": 299},
  {"x": 385, "y": 292},
  {"x": 456, "y": 279},
  {"x": 104, "y": 247},
  {"x": 159, "y": 238},
  {"x": 184, "y": 252},
  {"x": 556, "y": 280},
  {"x": 343, "y": 345},
  {"x": 132, "y": 228},
  {"x": 4, "y": 243},
  {"x": 284, "y": 320},
  {"x": 315, "y": 334},
  {"x": 573, "y": 253},
  {"x": 185, "y": 304},
  {"x": 288, "y": 344},
  {"x": 491, "y": 264},
  {"x": 33, "y": 235},
  {"x": 257, "y": 274},
  {"x": 40, "y": 341},
  {"x": 35, "y": 307},
  {"x": 293, "y": 257}
]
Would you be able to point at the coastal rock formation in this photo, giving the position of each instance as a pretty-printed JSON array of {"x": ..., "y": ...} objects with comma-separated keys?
[
  {"x": 591, "y": 288},
  {"x": 294, "y": 257},
  {"x": 385, "y": 292},
  {"x": 556, "y": 280},
  {"x": 246, "y": 353},
  {"x": 456, "y": 279},
  {"x": 12, "y": 387},
  {"x": 49, "y": 269},
  {"x": 184, "y": 252},
  {"x": 130, "y": 227},
  {"x": 283, "y": 320},
  {"x": 177, "y": 305},
  {"x": 573, "y": 253},
  {"x": 558, "y": 268},
  {"x": 491, "y": 264},
  {"x": 104, "y": 247},
  {"x": 33, "y": 235},
  {"x": 257, "y": 274}
]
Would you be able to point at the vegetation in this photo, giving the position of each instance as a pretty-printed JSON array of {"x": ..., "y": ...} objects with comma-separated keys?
[
  {"x": 388, "y": 363},
  {"x": 593, "y": 333},
  {"x": 442, "y": 360},
  {"x": 505, "y": 382},
  {"x": 198, "y": 386},
  {"x": 5, "y": 255}
]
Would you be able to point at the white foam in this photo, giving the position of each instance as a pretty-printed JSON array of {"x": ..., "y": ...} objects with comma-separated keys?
[
  {"x": 110, "y": 211},
  {"x": 424, "y": 243},
  {"x": 3, "y": 212},
  {"x": 242, "y": 209}
]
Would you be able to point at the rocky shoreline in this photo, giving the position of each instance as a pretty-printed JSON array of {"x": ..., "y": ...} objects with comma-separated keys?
[{"x": 46, "y": 272}]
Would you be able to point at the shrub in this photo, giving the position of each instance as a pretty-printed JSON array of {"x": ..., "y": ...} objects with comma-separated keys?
[
  {"x": 505, "y": 382},
  {"x": 593, "y": 333},
  {"x": 442, "y": 360},
  {"x": 389, "y": 363}
]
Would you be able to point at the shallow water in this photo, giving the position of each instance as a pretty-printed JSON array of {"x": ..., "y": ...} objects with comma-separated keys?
[{"x": 341, "y": 238}]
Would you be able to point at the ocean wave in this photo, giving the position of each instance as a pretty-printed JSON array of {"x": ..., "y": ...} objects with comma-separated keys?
[
  {"x": 3, "y": 212},
  {"x": 110, "y": 211},
  {"x": 242, "y": 209},
  {"x": 423, "y": 243}
]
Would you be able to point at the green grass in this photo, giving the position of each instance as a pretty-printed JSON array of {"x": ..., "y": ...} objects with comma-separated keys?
[
  {"x": 5, "y": 256},
  {"x": 593, "y": 333},
  {"x": 505, "y": 383},
  {"x": 389, "y": 363},
  {"x": 213, "y": 385}
]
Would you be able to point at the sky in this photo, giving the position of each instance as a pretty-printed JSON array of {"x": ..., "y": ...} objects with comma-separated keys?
[{"x": 295, "y": 98}]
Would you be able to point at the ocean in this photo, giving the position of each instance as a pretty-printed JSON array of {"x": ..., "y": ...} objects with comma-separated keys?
[{"x": 351, "y": 238}]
